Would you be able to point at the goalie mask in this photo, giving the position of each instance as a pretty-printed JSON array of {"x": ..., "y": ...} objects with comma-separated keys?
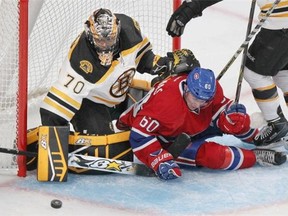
[
  {"x": 201, "y": 83},
  {"x": 102, "y": 29}
]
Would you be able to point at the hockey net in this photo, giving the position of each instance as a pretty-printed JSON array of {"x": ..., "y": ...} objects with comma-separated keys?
[{"x": 44, "y": 39}]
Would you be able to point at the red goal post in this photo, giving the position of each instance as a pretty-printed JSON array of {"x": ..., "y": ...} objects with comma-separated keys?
[{"x": 35, "y": 36}]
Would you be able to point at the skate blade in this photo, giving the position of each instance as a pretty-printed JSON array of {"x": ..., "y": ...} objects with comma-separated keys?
[{"x": 283, "y": 142}]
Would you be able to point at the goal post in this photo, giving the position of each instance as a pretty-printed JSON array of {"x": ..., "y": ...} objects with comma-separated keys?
[{"x": 35, "y": 36}]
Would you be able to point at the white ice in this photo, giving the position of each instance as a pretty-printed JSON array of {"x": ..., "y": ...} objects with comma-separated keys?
[{"x": 214, "y": 38}]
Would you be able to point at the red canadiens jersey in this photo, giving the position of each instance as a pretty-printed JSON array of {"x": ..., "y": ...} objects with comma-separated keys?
[
  {"x": 163, "y": 112},
  {"x": 165, "y": 105}
]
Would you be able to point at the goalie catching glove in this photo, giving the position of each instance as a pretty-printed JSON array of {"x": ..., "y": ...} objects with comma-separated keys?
[
  {"x": 162, "y": 163},
  {"x": 184, "y": 61},
  {"x": 179, "y": 61}
]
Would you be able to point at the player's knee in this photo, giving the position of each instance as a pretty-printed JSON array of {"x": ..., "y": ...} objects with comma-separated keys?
[
  {"x": 215, "y": 156},
  {"x": 211, "y": 155}
]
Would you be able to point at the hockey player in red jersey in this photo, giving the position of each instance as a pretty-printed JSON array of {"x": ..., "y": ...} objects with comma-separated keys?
[
  {"x": 193, "y": 104},
  {"x": 266, "y": 66}
]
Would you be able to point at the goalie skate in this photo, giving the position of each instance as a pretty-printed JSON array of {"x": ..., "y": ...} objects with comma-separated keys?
[{"x": 267, "y": 157}]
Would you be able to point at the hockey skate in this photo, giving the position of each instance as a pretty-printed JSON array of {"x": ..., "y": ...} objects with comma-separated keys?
[
  {"x": 275, "y": 134},
  {"x": 267, "y": 157}
]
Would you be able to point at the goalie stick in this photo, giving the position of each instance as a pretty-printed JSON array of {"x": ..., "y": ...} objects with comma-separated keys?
[
  {"x": 125, "y": 167},
  {"x": 113, "y": 165}
]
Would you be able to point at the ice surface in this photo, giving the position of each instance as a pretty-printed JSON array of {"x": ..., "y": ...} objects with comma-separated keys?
[{"x": 213, "y": 38}]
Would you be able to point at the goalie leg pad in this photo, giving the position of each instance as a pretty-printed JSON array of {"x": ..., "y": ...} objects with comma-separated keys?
[
  {"x": 32, "y": 146},
  {"x": 114, "y": 146},
  {"x": 53, "y": 153}
]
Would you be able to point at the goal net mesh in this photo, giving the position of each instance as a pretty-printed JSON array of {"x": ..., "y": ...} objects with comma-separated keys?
[{"x": 53, "y": 25}]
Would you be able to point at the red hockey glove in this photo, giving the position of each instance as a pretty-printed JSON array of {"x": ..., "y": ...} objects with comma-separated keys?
[
  {"x": 234, "y": 120},
  {"x": 162, "y": 163}
]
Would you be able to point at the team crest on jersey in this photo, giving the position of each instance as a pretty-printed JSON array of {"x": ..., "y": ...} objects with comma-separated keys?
[
  {"x": 86, "y": 66},
  {"x": 137, "y": 26},
  {"x": 122, "y": 84}
]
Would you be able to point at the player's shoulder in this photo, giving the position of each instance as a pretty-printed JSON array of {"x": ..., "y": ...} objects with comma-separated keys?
[
  {"x": 171, "y": 87},
  {"x": 83, "y": 60},
  {"x": 219, "y": 89},
  {"x": 219, "y": 97},
  {"x": 173, "y": 82},
  {"x": 130, "y": 34}
]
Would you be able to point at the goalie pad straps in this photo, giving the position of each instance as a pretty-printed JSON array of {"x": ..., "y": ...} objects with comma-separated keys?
[
  {"x": 80, "y": 139},
  {"x": 53, "y": 153}
]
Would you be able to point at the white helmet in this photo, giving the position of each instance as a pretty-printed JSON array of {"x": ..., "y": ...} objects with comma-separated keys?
[{"x": 102, "y": 29}]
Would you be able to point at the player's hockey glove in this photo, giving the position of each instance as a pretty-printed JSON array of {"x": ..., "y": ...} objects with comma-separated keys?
[
  {"x": 234, "y": 120},
  {"x": 181, "y": 17},
  {"x": 163, "y": 164}
]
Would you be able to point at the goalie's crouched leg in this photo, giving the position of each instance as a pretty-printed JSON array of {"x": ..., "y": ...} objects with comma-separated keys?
[{"x": 114, "y": 146}]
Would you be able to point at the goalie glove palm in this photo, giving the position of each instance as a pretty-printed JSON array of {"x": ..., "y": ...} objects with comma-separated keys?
[
  {"x": 184, "y": 61},
  {"x": 179, "y": 61},
  {"x": 161, "y": 65}
]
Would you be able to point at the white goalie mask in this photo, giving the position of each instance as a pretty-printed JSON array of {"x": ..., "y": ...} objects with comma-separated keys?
[{"x": 102, "y": 29}]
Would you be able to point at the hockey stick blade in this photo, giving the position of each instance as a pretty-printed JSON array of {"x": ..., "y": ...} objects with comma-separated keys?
[
  {"x": 125, "y": 167},
  {"x": 112, "y": 165},
  {"x": 109, "y": 165},
  {"x": 95, "y": 163}
]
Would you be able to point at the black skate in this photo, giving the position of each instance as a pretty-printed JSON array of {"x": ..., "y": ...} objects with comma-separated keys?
[
  {"x": 267, "y": 157},
  {"x": 270, "y": 136}
]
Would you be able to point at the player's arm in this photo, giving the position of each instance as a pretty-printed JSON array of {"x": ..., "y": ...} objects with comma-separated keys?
[
  {"x": 147, "y": 148},
  {"x": 188, "y": 10},
  {"x": 153, "y": 64},
  {"x": 176, "y": 62}
]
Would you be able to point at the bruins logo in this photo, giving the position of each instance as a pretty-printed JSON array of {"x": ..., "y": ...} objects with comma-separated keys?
[
  {"x": 122, "y": 84},
  {"x": 86, "y": 66},
  {"x": 136, "y": 24}
]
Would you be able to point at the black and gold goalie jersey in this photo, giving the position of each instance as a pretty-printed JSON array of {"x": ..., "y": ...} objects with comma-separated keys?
[{"x": 82, "y": 76}]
